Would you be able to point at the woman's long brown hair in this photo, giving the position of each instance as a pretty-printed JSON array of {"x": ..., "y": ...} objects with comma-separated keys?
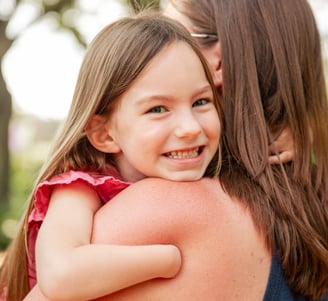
[{"x": 273, "y": 79}]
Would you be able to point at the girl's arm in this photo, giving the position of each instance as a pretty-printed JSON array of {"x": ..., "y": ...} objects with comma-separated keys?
[
  {"x": 70, "y": 268},
  {"x": 35, "y": 295}
]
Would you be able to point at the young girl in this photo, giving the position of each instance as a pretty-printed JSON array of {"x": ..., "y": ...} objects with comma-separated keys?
[{"x": 137, "y": 112}]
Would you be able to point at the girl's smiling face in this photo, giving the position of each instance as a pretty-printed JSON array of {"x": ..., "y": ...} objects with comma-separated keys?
[{"x": 166, "y": 124}]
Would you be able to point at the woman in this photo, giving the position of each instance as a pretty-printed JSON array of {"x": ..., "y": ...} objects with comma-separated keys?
[
  {"x": 271, "y": 63},
  {"x": 267, "y": 57}
]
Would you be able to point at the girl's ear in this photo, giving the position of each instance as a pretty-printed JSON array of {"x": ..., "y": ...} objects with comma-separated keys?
[{"x": 98, "y": 133}]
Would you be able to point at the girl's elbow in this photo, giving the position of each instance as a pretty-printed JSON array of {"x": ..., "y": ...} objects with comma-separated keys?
[{"x": 54, "y": 282}]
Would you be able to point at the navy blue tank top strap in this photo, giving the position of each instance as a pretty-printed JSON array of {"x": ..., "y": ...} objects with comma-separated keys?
[{"x": 277, "y": 288}]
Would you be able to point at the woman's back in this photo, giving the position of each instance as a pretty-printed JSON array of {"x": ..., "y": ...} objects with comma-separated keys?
[{"x": 224, "y": 257}]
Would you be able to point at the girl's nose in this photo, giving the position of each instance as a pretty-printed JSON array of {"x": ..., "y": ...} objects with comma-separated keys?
[{"x": 187, "y": 126}]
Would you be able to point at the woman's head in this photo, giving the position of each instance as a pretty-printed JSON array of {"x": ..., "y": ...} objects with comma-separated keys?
[
  {"x": 199, "y": 18},
  {"x": 113, "y": 61}
]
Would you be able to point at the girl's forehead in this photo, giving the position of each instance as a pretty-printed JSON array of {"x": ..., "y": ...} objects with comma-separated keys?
[{"x": 175, "y": 68}]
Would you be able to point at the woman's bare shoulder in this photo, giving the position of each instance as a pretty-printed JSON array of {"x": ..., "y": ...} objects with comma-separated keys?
[
  {"x": 155, "y": 189},
  {"x": 169, "y": 211},
  {"x": 215, "y": 234},
  {"x": 166, "y": 209}
]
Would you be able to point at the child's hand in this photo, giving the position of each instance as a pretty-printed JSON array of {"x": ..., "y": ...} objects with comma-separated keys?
[
  {"x": 284, "y": 146},
  {"x": 172, "y": 261}
]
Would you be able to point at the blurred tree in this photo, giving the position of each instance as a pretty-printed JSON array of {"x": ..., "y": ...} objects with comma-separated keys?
[
  {"x": 138, "y": 5},
  {"x": 5, "y": 113},
  {"x": 57, "y": 9}
]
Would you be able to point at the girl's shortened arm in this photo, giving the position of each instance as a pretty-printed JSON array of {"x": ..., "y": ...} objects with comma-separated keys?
[{"x": 70, "y": 268}]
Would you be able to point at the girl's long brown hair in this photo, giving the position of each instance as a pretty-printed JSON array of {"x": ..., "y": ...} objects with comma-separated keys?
[
  {"x": 273, "y": 79},
  {"x": 115, "y": 58}
]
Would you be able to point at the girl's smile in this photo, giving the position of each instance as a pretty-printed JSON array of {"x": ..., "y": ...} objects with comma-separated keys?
[{"x": 184, "y": 154}]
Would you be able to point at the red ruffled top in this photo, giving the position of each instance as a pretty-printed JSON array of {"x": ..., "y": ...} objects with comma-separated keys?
[{"x": 106, "y": 187}]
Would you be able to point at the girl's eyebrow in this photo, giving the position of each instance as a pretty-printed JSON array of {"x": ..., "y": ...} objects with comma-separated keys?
[
  {"x": 204, "y": 89},
  {"x": 146, "y": 98}
]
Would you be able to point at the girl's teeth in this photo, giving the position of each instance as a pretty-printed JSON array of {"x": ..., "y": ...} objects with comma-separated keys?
[{"x": 183, "y": 155}]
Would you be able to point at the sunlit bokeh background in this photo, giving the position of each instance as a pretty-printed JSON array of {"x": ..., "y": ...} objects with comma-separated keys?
[{"x": 41, "y": 67}]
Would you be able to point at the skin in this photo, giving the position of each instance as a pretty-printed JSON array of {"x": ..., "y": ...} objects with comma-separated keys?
[
  {"x": 178, "y": 131},
  {"x": 224, "y": 257}
]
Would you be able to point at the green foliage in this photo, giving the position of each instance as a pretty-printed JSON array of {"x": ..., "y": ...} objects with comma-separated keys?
[
  {"x": 22, "y": 178},
  {"x": 22, "y": 175}
]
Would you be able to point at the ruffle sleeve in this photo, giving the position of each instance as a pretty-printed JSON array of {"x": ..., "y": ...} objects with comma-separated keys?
[{"x": 106, "y": 187}]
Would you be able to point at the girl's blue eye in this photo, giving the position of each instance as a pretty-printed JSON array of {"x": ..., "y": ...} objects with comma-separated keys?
[
  {"x": 200, "y": 102},
  {"x": 158, "y": 109}
]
